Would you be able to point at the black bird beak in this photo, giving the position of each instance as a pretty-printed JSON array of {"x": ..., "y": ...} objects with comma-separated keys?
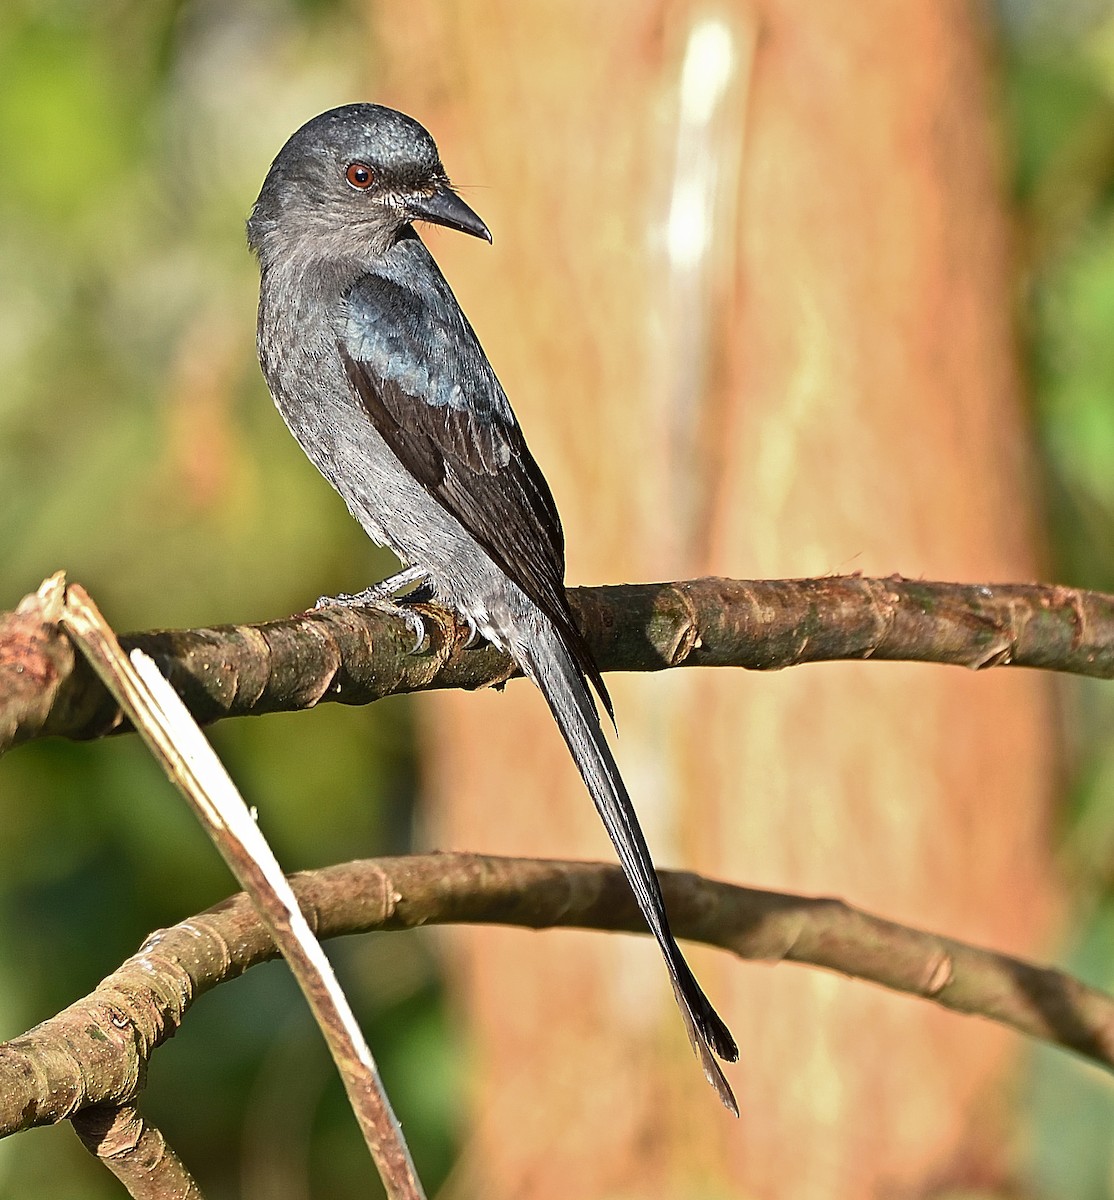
[{"x": 446, "y": 208}]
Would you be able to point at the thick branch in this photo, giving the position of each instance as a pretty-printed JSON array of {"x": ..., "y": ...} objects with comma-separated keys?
[
  {"x": 96, "y": 1051},
  {"x": 355, "y": 656}
]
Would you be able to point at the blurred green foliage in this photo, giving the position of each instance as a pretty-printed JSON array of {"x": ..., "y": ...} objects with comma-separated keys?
[
  {"x": 139, "y": 450},
  {"x": 1059, "y": 109}
]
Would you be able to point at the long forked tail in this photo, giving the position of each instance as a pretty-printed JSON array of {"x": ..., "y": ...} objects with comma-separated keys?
[{"x": 545, "y": 659}]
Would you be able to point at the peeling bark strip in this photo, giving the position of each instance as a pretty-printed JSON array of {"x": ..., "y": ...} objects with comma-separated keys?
[
  {"x": 354, "y": 656},
  {"x": 177, "y": 744}
]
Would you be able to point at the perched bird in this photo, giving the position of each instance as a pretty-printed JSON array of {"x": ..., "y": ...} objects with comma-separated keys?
[{"x": 380, "y": 377}]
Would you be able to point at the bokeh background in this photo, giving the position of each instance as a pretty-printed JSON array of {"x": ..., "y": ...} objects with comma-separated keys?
[{"x": 140, "y": 451}]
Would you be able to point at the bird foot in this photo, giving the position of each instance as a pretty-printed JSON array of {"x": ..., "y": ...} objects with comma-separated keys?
[{"x": 381, "y": 596}]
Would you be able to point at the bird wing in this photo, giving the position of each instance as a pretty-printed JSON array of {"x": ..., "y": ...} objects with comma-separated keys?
[{"x": 424, "y": 381}]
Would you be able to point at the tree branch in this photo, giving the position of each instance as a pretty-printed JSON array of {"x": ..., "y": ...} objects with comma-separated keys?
[
  {"x": 190, "y": 763},
  {"x": 96, "y": 1052},
  {"x": 356, "y": 656},
  {"x": 135, "y": 1152}
]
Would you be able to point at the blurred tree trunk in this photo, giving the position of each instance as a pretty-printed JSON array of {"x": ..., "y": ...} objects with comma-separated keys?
[{"x": 751, "y": 297}]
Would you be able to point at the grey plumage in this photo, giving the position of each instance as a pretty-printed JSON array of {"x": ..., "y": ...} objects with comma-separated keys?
[{"x": 380, "y": 377}]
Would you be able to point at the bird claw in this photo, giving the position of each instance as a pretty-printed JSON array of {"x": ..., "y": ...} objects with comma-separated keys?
[
  {"x": 416, "y": 626},
  {"x": 380, "y": 596},
  {"x": 475, "y": 637}
]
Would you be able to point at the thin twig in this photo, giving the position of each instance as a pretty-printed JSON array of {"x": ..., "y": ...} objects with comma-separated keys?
[
  {"x": 96, "y": 1051},
  {"x": 188, "y": 760},
  {"x": 355, "y": 656}
]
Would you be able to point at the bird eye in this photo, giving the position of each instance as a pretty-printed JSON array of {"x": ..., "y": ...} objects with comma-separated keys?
[{"x": 359, "y": 175}]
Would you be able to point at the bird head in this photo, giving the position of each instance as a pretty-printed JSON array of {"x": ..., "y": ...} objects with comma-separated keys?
[{"x": 350, "y": 181}]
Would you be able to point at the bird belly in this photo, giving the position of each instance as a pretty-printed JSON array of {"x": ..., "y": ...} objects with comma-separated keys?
[{"x": 393, "y": 508}]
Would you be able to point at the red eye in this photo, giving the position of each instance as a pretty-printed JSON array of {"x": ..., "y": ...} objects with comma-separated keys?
[{"x": 359, "y": 175}]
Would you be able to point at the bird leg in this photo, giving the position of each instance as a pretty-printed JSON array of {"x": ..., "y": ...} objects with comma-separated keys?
[{"x": 381, "y": 596}]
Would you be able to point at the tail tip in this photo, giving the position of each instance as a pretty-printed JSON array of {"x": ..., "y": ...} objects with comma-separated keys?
[
  {"x": 709, "y": 1037},
  {"x": 718, "y": 1036},
  {"x": 713, "y": 1035},
  {"x": 719, "y": 1082}
]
